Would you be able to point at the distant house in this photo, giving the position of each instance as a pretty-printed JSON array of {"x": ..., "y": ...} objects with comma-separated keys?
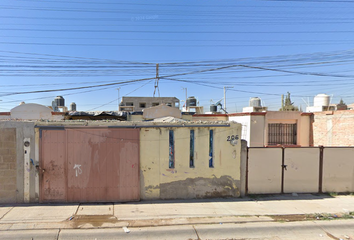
[
  {"x": 274, "y": 128},
  {"x": 138, "y": 104}
]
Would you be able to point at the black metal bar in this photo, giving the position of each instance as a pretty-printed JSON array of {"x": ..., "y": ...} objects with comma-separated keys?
[
  {"x": 320, "y": 180},
  {"x": 282, "y": 169}
]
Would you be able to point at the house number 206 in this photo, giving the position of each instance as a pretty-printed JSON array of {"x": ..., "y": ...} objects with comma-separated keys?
[{"x": 232, "y": 137}]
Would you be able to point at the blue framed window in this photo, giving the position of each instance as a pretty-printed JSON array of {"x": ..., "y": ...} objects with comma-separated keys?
[
  {"x": 211, "y": 148},
  {"x": 171, "y": 158},
  {"x": 191, "y": 149}
]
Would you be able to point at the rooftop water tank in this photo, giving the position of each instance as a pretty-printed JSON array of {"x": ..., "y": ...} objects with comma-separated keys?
[
  {"x": 213, "y": 108},
  {"x": 73, "y": 106},
  {"x": 60, "y": 102},
  {"x": 321, "y": 100},
  {"x": 255, "y": 102},
  {"x": 191, "y": 102}
]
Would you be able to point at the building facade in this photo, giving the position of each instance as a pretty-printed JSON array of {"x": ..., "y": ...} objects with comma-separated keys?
[
  {"x": 137, "y": 104},
  {"x": 102, "y": 161},
  {"x": 274, "y": 128},
  {"x": 334, "y": 128}
]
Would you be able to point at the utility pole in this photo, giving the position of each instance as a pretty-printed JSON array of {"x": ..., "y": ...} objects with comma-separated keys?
[
  {"x": 118, "y": 97},
  {"x": 186, "y": 95},
  {"x": 225, "y": 97},
  {"x": 157, "y": 80}
]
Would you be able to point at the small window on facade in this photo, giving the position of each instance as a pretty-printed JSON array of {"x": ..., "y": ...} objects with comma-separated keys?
[
  {"x": 129, "y": 104},
  {"x": 171, "y": 148},
  {"x": 142, "y": 105},
  {"x": 177, "y": 104},
  {"x": 169, "y": 104},
  {"x": 211, "y": 143},
  {"x": 283, "y": 134},
  {"x": 191, "y": 149},
  {"x": 155, "y": 104}
]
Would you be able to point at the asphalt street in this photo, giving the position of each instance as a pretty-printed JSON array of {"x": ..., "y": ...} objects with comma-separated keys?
[{"x": 334, "y": 229}]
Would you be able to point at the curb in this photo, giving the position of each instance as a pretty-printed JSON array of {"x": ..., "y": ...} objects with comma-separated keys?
[{"x": 79, "y": 222}]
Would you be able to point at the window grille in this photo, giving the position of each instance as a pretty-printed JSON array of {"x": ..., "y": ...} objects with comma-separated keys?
[
  {"x": 171, "y": 158},
  {"x": 211, "y": 149},
  {"x": 191, "y": 149},
  {"x": 283, "y": 134}
]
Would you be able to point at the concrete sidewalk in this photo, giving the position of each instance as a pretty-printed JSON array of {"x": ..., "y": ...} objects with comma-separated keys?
[{"x": 178, "y": 212}]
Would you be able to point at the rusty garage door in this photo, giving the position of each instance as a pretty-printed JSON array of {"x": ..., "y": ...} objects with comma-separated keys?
[{"x": 89, "y": 165}]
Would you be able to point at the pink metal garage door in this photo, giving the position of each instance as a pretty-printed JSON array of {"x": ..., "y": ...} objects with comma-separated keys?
[{"x": 99, "y": 165}]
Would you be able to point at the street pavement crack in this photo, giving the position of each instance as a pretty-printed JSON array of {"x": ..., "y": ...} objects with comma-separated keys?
[
  {"x": 196, "y": 232},
  {"x": 331, "y": 236},
  {"x": 77, "y": 209},
  {"x": 6, "y": 213},
  {"x": 58, "y": 233}
]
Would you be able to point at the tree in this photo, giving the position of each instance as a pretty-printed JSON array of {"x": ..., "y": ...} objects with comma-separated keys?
[{"x": 287, "y": 105}]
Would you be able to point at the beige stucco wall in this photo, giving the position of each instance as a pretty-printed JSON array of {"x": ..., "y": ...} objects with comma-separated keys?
[
  {"x": 187, "y": 117},
  {"x": 161, "y": 111},
  {"x": 338, "y": 170},
  {"x": 303, "y": 124},
  {"x": 257, "y": 131},
  {"x": 158, "y": 181},
  {"x": 210, "y": 117},
  {"x": 305, "y": 132},
  {"x": 135, "y": 118}
]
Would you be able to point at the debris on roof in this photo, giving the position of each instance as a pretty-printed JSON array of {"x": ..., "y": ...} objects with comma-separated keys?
[{"x": 96, "y": 115}]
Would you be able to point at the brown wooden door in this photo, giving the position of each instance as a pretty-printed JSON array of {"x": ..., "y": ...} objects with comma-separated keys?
[{"x": 102, "y": 165}]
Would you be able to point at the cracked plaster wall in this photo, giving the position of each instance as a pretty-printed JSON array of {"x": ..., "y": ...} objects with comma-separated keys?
[{"x": 158, "y": 181}]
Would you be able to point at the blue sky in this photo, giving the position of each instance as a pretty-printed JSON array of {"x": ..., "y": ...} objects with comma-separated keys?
[{"x": 260, "y": 48}]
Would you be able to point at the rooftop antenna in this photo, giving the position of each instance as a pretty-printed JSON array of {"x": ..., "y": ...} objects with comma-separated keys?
[
  {"x": 185, "y": 89},
  {"x": 330, "y": 101},
  {"x": 218, "y": 103},
  {"x": 118, "y": 97},
  {"x": 225, "y": 97},
  {"x": 307, "y": 103}
]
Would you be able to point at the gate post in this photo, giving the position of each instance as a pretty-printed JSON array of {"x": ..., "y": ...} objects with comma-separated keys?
[
  {"x": 244, "y": 169},
  {"x": 283, "y": 168},
  {"x": 27, "y": 169},
  {"x": 320, "y": 178}
]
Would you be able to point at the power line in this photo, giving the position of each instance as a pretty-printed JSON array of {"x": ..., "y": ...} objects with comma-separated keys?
[{"x": 174, "y": 32}]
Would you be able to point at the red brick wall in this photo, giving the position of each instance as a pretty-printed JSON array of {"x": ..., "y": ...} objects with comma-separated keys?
[
  {"x": 334, "y": 128},
  {"x": 8, "y": 172}
]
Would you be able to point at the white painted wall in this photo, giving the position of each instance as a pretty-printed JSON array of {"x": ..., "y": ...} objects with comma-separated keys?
[
  {"x": 33, "y": 111},
  {"x": 252, "y": 129},
  {"x": 245, "y": 121}
]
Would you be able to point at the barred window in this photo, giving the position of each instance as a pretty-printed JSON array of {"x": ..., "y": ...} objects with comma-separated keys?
[
  {"x": 171, "y": 148},
  {"x": 191, "y": 149},
  {"x": 283, "y": 134},
  {"x": 211, "y": 148}
]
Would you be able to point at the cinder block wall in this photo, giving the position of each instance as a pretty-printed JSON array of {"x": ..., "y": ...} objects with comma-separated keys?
[
  {"x": 334, "y": 128},
  {"x": 8, "y": 166},
  {"x": 12, "y": 135}
]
